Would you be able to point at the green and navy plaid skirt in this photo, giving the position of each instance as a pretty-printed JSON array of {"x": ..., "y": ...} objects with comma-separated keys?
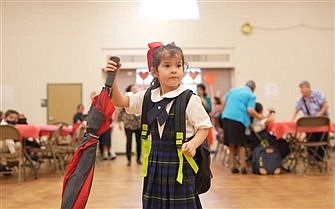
[{"x": 161, "y": 190}]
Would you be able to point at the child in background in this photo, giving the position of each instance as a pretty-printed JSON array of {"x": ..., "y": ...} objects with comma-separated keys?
[
  {"x": 259, "y": 126},
  {"x": 11, "y": 117},
  {"x": 161, "y": 189}
]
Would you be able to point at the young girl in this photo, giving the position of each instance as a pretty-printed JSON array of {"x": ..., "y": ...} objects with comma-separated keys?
[{"x": 161, "y": 189}]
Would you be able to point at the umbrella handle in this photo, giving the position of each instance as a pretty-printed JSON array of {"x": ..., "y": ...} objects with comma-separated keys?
[{"x": 111, "y": 75}]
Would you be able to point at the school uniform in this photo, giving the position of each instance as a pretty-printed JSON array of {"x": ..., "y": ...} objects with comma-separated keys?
[{"x": 161, "y": 190}]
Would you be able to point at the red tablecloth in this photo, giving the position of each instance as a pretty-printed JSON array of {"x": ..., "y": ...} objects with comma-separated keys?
[
  {"x": 35, "y": 131},
  {"x": 279, "y": 129}
]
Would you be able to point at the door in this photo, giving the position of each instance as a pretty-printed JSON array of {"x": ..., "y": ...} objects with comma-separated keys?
[
  {"x": 222, "y": 81},
  {"x": 62, "y": 102}
]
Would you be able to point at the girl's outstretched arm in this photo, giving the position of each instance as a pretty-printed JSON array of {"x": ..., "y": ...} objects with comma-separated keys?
[
  {"x": 118, "y": 98},
  {"x": 191, "y": 146}
]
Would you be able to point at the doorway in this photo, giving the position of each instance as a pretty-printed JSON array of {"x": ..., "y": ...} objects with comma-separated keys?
[
  {"x": 221, "y": 82},
  {"x": 63, "y": 99}
]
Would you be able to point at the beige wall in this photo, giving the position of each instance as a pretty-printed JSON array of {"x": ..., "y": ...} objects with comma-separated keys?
[{"x": 61, "y": 42}]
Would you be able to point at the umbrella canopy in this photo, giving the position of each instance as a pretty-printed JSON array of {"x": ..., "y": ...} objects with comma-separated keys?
[
  {"x": 79, "y": 175},
  {"x": 78, "y": 178}
]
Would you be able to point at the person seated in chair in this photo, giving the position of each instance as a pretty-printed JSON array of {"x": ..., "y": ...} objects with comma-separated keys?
[
  {"x": 22, "y": 119},
  {"x": 260, "y": 127},
  {"x": 11, "y": 117}
]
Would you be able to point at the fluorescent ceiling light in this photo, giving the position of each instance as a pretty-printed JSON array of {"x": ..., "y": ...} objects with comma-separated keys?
[{"x": 169, "y": 9}]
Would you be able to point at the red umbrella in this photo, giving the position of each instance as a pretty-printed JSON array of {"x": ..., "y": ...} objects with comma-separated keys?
[{"x": 79, "y": 175}]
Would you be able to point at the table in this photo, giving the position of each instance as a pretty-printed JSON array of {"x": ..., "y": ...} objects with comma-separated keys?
[
  {"x": 35, "y": 131},
  {"x": 279, "y": 129}
]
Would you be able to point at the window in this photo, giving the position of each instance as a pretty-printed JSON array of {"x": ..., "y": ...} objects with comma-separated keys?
[{"x": 191, "y": 79}]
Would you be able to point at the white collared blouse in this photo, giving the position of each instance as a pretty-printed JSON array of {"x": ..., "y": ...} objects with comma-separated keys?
[{"x": 196, "y": 116}]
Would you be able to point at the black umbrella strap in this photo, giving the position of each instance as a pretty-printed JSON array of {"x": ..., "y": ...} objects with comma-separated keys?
[{"x": 93, "y": 136}]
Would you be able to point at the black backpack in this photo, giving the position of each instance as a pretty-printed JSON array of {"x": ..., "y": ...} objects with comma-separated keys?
[
  {"x": 202, "y": 157},
  {"x": 265, "y": 157}
]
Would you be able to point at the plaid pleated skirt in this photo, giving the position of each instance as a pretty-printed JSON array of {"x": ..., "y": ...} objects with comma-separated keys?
[{"x": 161, "y": 189}]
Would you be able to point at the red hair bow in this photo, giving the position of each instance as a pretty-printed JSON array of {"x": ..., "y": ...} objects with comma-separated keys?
[{"x": 152, "y": 46}]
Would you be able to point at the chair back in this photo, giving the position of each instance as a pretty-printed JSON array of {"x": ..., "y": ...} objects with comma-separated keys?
[
  {"x": 56, "y": 135},
  {"x": 313, "y": 124},
  {"x": 79, "y": 133},
  {"x": 9, "y": 132}
]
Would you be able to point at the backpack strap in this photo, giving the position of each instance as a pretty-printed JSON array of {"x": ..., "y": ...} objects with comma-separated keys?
[
  {"x": 180, "y": 128},
  {"x": 145, "y": 130}
]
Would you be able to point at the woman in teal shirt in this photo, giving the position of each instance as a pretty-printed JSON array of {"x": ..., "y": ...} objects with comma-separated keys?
[
  {"x": 205, "y": 99},
  {"x": 239, "y": 105}
]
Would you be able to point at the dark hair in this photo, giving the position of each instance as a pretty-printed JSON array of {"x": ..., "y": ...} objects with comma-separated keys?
[
  {"x": 11, "y": 111},
  {"x": 171, "y": 50},
  {"x": 79, "y": 106},
  {"x": 202, "y": 87},
  {"x": 128, "y": 89},
  {"x": 259, "y": 107},
  {"x": 217, "y": 100}
]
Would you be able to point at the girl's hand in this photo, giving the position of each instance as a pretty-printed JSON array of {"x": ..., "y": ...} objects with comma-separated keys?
[
  {"x": 112, "y": 66},
  {"x": 188, "y": 148}
]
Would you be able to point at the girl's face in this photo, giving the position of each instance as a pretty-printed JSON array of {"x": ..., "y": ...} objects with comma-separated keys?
[{"x": 170, "y": 72}]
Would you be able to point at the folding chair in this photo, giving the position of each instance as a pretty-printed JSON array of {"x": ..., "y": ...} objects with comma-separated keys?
[
  {"x": 313, "y": 149},
  {"x": 61, "y": 151},
  {"x": 13, "y": 159},
  {"x": 31, "y": 150},
  {"x": 78, "y": 135}
]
